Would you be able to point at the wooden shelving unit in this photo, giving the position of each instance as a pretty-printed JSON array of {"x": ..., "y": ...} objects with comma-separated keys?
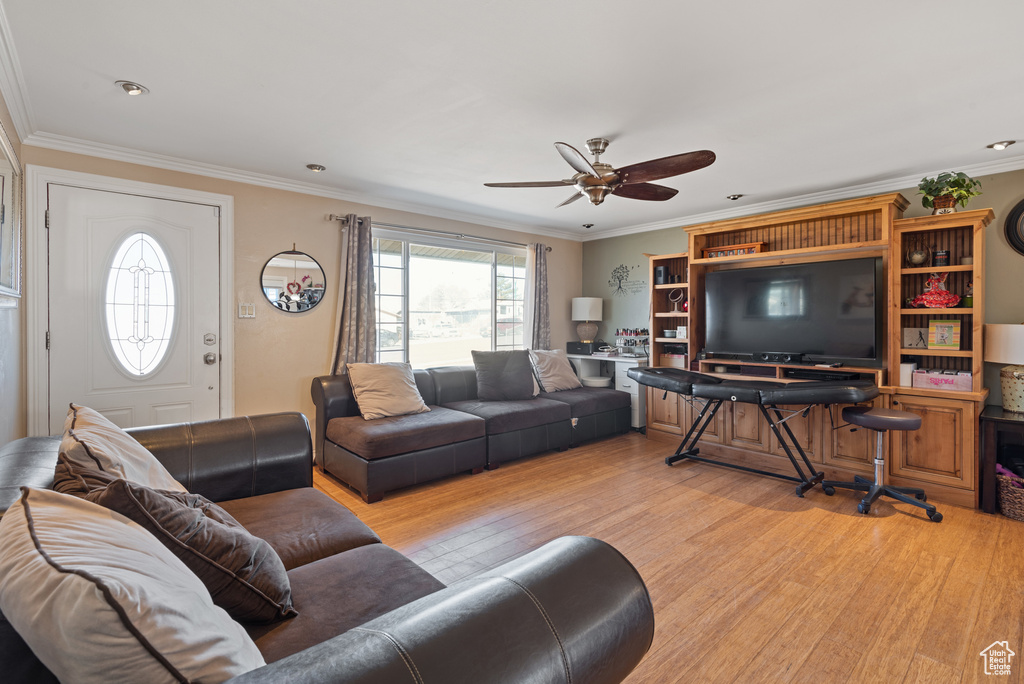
[
  {"x": 665, "y": 315},
  {"x": 942, "y": 455}
]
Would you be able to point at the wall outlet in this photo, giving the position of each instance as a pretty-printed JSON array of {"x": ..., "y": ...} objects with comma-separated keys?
[{"x": 246, "y": 310}]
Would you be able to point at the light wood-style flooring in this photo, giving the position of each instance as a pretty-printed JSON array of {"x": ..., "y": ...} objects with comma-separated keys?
[{"x": 749, "y": 582}]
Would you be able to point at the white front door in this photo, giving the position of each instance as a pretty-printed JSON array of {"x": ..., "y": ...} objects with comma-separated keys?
[{"x": 134, "y": 307}]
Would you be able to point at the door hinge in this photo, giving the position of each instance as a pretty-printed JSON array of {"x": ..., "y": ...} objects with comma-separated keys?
[
  {"x": 47, "y": 339},
  {"x": 47, "y": 219},
  {"x": 216, "y": 212},
  {"x": 3, "y": 212}
]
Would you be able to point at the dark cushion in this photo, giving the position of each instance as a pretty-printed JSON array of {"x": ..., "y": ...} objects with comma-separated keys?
[
  {"x": 243, "y": 574},
  {"x": 303, "y": 525},
  {"x": 344, "y": 591},
  {"x": 506, "y": 416},
  {"x": 588, "y": 401},
  {"x": 401, "y": 434},
  {"x": 78, "y": 480},
  {"x": 881, "y": 419},
  {"x": 503, "y": 375}
]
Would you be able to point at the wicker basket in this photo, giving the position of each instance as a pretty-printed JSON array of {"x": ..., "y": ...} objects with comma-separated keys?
[{"x": 1011, "y": 498}]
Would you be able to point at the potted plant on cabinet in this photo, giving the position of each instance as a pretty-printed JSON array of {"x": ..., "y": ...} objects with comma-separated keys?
[{"x": 948, "y": 189}]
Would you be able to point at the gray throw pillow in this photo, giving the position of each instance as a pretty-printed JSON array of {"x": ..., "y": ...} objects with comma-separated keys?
[{"x": 503, "y": 375}]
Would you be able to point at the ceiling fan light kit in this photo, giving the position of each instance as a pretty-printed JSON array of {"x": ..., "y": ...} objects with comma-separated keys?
[{"x": 597, "y": 180}]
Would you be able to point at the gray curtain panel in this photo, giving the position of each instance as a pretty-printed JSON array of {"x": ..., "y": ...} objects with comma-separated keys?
[
  {"x": 538, "y": 324},
  {"x": 355, "y": 338}
]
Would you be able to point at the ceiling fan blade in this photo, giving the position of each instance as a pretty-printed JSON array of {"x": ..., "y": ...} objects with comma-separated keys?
[
  {"x": 531, "y": 184},
  {"x": 576, "y": 159},
  {"x": 645, "y": 191},
  {"x": 571, "y": 199},
  {"x": 656, "y": 169}
]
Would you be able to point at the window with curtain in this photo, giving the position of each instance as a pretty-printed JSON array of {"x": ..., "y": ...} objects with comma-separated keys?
[{"x": 439, "y": 299}]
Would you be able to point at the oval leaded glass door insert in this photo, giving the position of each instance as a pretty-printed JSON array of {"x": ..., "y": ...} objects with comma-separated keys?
[{"x": 140, "y": 304}]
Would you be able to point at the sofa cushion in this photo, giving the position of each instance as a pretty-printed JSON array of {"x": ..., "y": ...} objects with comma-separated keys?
[
  {"x": 362, "y": 584},
  {"x": 91, "y": 440},
  {"x": 77, "y": 480},
  {"x": 303, "y": 525},
  {"x": 99, "y": 599},
  {"x": 503, "y": 375},
  {"x": 243, "y": 573},
  {"x": 553, "y": 370},
  {"x": 587, "y": 401},
  {"x": 402, "y": 434},
  {"x": 506, "y": 416},
  {"x": 385, "y": 389}
]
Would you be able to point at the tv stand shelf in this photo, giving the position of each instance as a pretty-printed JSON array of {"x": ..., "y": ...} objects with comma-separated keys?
[{"x": 751, "y": 370}]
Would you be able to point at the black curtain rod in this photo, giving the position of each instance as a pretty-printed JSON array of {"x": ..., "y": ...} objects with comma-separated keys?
[{"x": 459, "y": 236}]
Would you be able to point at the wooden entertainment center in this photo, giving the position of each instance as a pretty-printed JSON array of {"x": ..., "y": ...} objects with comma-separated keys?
[{"x": 942, "y": 456}]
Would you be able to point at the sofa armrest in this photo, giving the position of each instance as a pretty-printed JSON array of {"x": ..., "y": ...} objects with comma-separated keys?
[
  {"x": 574, "y": 610},
  {"x": 232, "y": 458},
  {"x": 332, "y": 396}
]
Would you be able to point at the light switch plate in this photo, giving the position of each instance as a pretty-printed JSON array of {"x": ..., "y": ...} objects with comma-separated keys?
[{"x": 246, "y": 310}]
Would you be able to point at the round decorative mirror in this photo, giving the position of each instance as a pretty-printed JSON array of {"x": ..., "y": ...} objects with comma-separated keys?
[
  {"x": 1015, "y": 228},
  {"x": 293, "y": 281}
]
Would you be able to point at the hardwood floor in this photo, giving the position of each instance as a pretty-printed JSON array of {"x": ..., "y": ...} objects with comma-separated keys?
[{"x": 749, "y": 582}]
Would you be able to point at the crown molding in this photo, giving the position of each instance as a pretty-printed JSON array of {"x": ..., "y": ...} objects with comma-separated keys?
[
  {"x": 12, "y": 83},
  {"x": 850, "y": 192},
  {"x": 129, "y": 156}
]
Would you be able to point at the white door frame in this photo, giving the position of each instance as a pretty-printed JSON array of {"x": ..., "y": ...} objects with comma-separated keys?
[{"x": 36, "y": 293}]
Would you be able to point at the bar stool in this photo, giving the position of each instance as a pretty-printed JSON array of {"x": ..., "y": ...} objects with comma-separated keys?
[{"x": 882, "y": 420}]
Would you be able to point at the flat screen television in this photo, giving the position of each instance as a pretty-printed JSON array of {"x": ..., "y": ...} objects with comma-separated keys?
[{"x": 829, "y": 311}]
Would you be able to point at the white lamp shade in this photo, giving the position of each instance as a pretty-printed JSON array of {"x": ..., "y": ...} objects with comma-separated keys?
[
  {"x": 587, "y": 308},
  {"x": 1004, "y": 343}
]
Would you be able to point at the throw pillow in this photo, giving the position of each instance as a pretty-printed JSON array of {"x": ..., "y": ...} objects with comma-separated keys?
[
  {"x": 385, "y": 389},
  {"x": 554, "y": 372},
  {"x": 503, "y": 375},
  {"x": 99, "y": 599},
  {"x": 92, "y": 441},
  {"x": 244, "y": 575},
  {"x": 71, "y": 478}
]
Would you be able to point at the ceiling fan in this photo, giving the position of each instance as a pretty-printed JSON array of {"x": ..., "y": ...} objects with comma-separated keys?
[{"x": 597, "y": 180}]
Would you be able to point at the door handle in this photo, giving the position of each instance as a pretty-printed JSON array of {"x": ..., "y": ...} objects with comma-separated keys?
[{"x": 209, "y": 358}]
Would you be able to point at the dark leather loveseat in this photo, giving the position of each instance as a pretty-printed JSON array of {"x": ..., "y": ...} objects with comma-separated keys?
[
  {"x": 574, "y": 610},
  {"x": 459, "y": 434}
]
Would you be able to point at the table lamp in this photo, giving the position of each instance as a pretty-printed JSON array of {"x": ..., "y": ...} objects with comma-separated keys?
[
  {"x": 1004, "y": 343},
  {"x": 588, "y": 310}
]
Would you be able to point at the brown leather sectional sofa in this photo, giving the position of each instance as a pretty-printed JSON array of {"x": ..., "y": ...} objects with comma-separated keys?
[
  {"x": 574, "y": 610},
  {"x": 459, "y": 434}
]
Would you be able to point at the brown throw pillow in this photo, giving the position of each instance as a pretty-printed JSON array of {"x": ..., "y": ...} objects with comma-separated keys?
[
  {"x": 243, "y": 574},
  {"x": 554, "y": 370},
  {"x": 503, "y": 375},
  {"x": 385, "y": 389},
  {"x": 76, "y": 480}
]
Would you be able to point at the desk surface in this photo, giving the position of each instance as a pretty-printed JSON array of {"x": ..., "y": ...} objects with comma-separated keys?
[{"x": 1000, "y": 414}]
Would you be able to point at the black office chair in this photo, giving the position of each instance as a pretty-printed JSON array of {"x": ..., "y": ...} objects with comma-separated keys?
[{"x": 882, "y": 420}]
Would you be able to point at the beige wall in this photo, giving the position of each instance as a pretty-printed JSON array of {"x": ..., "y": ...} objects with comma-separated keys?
[
  {"x": 278, "y": 354},
  {"x": 1004, "y": 268},
  {"x": 12, "y": 339}
]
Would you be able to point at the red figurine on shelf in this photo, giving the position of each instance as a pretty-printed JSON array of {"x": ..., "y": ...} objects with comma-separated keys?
[{"x": 936, "y": 296}]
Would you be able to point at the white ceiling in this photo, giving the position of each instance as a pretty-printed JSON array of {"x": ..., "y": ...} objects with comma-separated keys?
[{"x": 415, "y": 105}]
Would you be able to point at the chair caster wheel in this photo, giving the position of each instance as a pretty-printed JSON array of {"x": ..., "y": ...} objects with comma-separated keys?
[
  {"x": 862, "y": 508},
  {"x": 936, "y": 516},
  {"x": 828, "y": 489}
]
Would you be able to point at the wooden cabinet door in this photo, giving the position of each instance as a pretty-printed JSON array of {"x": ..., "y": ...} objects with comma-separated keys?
[
  {"x": 805, "y": 429},
  {"x": 747, "y": 427},
  {"x": 664, "y": 412},
  {"x": 848, "y": 447},
  {"x": 943, "y": 450}
]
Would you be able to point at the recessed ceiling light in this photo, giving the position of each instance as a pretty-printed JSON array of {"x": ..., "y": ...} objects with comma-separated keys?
[
  {"x": 588, "y": 226},
  {"x": 317, "y": 168},
  {"x": 132, "y": 88},
  {"x": 1001, "y": 145},
  {"x": 733, "y": 197}
]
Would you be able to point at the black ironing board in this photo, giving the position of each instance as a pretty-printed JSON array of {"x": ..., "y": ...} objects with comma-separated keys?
[{"x": 768, "y": 395}]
